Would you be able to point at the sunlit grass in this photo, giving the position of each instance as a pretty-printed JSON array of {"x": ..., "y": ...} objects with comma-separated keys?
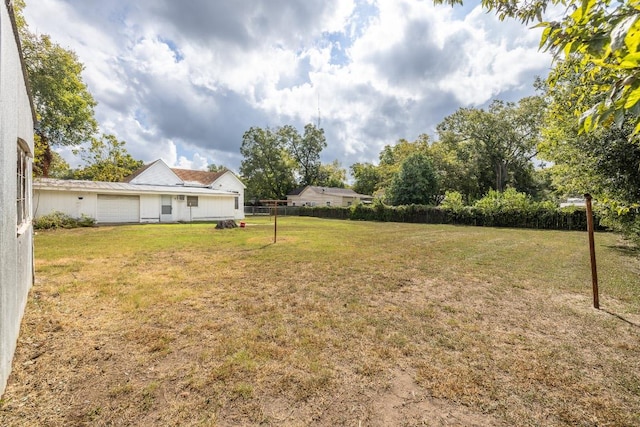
[{"x": 185, "y": 324}]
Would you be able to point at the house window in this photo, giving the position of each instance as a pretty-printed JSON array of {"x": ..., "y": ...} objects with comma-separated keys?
[
  {"x": 192, "y": 201},
  {"x": 237, "y": 203},
  {"x": 22, "y": 181}
]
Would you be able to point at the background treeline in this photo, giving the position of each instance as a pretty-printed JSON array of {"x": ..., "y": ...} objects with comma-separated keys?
[{"x": 507, "y": 209}]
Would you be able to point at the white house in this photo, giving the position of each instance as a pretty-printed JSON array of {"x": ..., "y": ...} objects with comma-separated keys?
[
  {"x": 325, "y": 196},
  {"x": 16, "y": 158},
  {"x": 154, "y": 193}
]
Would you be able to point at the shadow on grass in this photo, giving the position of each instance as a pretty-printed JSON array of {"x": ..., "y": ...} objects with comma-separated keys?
[
  {"x": 259, "y": 248},
  {"x": 621, "y": 318},
  {"x": 626, "y": 248}
]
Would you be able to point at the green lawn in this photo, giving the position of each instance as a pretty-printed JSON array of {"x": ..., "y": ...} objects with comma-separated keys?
[{"x": 338, "y": 323}]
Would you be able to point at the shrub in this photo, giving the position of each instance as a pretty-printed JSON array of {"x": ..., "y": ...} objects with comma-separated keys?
[
  {"x": 452, "y": 201},
  {"x": 57, "y": 220}
]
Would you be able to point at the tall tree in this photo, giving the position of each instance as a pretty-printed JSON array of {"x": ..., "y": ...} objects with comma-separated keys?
[
  {"x": 63, "y": 104},
  {"x": 506, "y": 136},
  {"x": 267, "y": 166},
  {"x": 461, "y": 168},
  {"x": 605, "y": 36},
  {"x": 415, "y": 183},
  {"x": 106, "y": 159},
  {"x": 305, "y": 150},
  {"x": 392, "y": 156}
]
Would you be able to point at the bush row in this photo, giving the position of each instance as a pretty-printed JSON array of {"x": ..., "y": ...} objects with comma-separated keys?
[
  {"x": 547, "y": 218},
  {"x": 56, "y": 220}
]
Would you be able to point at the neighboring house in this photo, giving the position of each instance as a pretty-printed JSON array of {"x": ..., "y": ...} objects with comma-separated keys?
[
  {"x": 325, "y": 196},
  {"x": 574, "y": 201},
  {"x": 154, "y": 193},
  {"x": 16, "y": 159}
]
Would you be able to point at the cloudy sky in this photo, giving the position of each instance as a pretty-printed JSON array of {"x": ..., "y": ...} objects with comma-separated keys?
[{"x": 183, "y": 80}]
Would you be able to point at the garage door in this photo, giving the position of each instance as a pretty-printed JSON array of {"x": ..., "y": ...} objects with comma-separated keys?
[{"x": 118, "y": 208}]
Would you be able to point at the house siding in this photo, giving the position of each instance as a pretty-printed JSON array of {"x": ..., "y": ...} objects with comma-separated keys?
[
  {"x": 310, "y": 197},
  {"x": 16, "y": 248},
  {"x": 229, "y": 182},
  {"x": 75, "y": 204},
  {"x": 157, "y": 174},
  {"x": 210, "y": 207}
]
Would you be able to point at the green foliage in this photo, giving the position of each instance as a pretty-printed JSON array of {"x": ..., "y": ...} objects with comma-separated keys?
[
  {"x": 509, "y": 200},
  {"x": 604, "y": 38},
  {"x": 539, "y": 216},
  {"x": 494, "y": 146},
  {"x": 392, "y": 157},
  {"x": 267, "y": 167},
  {"x": 57, "y": 220},
  {"x": 332, "y": 175},
  {"x": 274, "y": 158},
  {"x": 453, "y": 201},
  {"x": 106, "y": 160},
  {"x": 216, "y": 168},
  {"x": 415, "y": 183},
  {"x": 63, "y": 104},
  {"x": 304, "y": 150},
  {"x": 604, "y": 162},
  {"x": 367, "y": 178}
]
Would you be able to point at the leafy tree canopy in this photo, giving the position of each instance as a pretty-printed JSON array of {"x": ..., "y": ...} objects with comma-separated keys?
[
  {"x": 604, "y": 36},
  {"x": 305, "y": 151},
  {"x": 106, "y": 159},
  {"x": 366, "y": 176},
  {"x": 415, "y": 183},
  {"x": 332, "y": 175},
  {"x": 216, "y": 168},
  {"x": 502, "y": 138},
  {"x": 63, "y": 103},
  {"x": 267, "y": 166}
]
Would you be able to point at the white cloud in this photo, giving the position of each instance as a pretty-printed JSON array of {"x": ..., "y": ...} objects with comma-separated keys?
[{"x": 183, "y": 81}]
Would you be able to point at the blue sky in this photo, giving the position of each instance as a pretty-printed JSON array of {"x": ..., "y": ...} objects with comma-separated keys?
[{"x": 183, "y": 81}]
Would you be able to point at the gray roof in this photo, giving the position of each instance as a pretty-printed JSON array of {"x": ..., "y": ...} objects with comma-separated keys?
[
  {"x": 332, "y": 191},
  {"x": 51, "y": 184}
]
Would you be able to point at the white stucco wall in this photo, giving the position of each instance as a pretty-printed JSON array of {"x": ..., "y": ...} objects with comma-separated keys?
[
  {"x": 16, "y": 249},
  {"x": 73, "y": 204},
  {"x": 150, "y": 208},
  {"x": 157, "y": 174},
  {"x": 229, "y": 182},
  {"x": 312, "y": 198},
  {"x": 78, "y": 203}
]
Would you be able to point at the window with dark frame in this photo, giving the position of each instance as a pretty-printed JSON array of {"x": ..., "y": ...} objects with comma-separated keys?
[
  {"x": 22, "y": 186},
  {"x": 237, "y": 203},
  {"x": 192, "y": 201}
]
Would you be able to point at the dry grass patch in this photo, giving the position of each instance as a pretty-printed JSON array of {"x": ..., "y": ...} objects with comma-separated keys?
[{"x": 339, "y": 323}]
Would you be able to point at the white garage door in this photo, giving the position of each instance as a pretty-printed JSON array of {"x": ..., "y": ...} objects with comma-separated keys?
[{"x": 118, "y": 208}]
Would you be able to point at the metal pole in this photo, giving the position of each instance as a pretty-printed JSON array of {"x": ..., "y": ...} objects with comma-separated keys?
[{"x": 592, "y": 251}]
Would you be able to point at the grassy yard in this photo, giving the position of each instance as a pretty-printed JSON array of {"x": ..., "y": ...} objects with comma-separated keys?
[{"x": 338, "y": 323}]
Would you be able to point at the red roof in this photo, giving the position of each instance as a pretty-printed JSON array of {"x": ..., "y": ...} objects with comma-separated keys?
[{"x": 201, "y": 177}]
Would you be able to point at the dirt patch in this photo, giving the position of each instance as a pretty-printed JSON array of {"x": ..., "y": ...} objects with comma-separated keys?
[{"x": 407, "y": 404}]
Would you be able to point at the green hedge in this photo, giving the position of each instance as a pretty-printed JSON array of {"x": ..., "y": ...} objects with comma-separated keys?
[{"x": 539, "y": 217}]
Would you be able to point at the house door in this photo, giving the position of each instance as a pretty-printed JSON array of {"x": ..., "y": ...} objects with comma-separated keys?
[{"x": 166, "y": 210}]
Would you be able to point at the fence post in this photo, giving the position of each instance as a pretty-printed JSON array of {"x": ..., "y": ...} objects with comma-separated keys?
[{"x": 592, "y": 252}]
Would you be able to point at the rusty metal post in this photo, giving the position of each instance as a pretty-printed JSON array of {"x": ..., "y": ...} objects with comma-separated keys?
[
  {"x": 275, "y": 223},
  {"x": 592, "y": 251}
]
